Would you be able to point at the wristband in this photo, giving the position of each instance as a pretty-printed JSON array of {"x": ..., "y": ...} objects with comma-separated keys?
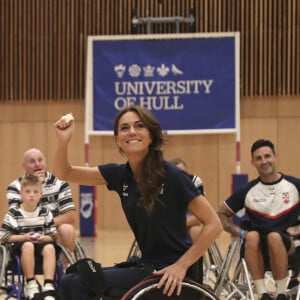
[{"x": 242, "y": 234}]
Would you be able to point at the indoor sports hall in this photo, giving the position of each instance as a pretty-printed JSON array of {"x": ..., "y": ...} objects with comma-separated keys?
[{"x": 218, "y": 74}]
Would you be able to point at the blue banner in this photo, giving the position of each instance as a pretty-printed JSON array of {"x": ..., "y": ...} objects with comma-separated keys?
[
  {"x": 188, "y": 83},
  {"x": 238, "y": 180},
  {"x": 87, "y": 210}
]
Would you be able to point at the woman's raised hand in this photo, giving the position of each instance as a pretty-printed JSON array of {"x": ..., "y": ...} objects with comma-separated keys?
[{"x": 65, "y": 127}]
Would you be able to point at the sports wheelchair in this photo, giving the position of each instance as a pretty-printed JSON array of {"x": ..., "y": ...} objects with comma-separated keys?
[
  {"x": 234, "y": 280},
  {"x": 11, "y": 275},
  {"x": 239, "y": 284},
  {"x": 212, "y": 264},
  {"x": 135, "y": 252},
  {"x": 147, "y": 288}
]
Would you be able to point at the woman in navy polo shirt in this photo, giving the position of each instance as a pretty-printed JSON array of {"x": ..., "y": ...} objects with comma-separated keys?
[{"x": 154, "y": 194}]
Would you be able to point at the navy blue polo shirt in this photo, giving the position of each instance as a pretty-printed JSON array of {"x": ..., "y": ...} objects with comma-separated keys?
[{"x": 162, "y": 236}]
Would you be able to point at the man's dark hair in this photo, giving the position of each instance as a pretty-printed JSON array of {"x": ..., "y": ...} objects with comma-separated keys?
[{"x": 262, "y": 143}]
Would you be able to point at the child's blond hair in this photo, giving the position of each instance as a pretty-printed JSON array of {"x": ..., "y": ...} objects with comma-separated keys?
[{"x": 30, "y": 179}]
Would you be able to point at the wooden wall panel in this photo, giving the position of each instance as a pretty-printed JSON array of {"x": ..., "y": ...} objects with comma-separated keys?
[
  {"x": 43, "y": 43},
  {"x": 288, "y": 130},
  {"x": 276, "y": 119},
  {"x": 110, "y": 215},
  {"x": 26, "y": 125},
  {"x": 226, "y": 167},
  {"x": 201, "y": 154},
  {"x": 282, "y": 131}
]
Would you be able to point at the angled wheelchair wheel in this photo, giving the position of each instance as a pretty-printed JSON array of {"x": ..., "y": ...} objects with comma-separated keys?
[
  {"x": 5, "y": 286},
  {"x": 79, "y": 253},
  {"x": 4, "y": 258},
  {"x": 134, "y": 250},
  {"x": 67, "y": 254},
  {"x": 147, "y": 289}
]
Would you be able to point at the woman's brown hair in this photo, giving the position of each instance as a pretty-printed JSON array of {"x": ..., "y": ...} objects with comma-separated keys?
[{"x": 153, "y": 171}]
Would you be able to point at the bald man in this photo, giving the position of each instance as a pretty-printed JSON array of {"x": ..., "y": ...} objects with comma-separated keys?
[{"x": 57, "y": 196}]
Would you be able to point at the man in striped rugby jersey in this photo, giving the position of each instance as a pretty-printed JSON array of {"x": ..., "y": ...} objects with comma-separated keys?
[{"x": 57, "y": 196}]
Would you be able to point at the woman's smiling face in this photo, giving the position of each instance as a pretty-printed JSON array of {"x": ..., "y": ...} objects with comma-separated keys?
[{"x": 133, "y": 136}]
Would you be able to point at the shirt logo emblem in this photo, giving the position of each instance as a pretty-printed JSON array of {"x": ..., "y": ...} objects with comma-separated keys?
[{"x": 286, "y": 197}]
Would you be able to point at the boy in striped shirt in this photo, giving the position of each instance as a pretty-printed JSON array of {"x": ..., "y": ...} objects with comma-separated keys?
[{"x": 32, "y": 231}]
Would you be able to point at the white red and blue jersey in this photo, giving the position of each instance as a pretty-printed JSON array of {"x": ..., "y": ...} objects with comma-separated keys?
[{"x": 273, "y": 206}]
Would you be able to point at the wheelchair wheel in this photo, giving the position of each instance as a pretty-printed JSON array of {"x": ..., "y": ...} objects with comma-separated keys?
[
  {"x": 67, "y": 254},
  {"x": 14, "y": 278},
  {"x": 134, "y": 250},
  {"x": 78, "y": 253},
  {"x": 4, "y": 257},
  {"x": 147, "y": 289}
]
